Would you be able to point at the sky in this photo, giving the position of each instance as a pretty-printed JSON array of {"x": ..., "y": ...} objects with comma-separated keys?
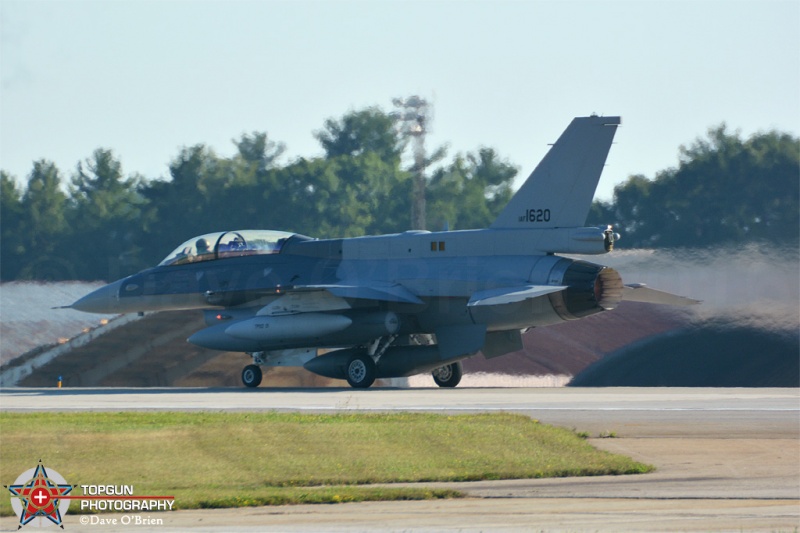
[{"x": 146, "y": 78}]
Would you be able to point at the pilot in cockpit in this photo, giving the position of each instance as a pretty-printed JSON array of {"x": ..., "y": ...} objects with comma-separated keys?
[{"x": 203, "y": 247}]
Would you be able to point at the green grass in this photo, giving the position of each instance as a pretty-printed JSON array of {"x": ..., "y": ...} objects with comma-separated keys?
[{"x": 240, "y": 459}]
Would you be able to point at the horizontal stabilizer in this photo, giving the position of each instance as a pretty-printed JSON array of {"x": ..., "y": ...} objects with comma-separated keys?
[
  {"x": 638, "y": 292},
  {"x": 507, "y": 295},
  {"x": 383, "y": 293}
]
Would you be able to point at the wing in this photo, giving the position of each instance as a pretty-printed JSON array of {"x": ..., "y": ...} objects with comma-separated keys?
[
  {"x": 375, "y": 291},
  {"x": 321, "y": 298},
  {"x": 507, "y": 295},
  {"x": 313, "y": 298}
]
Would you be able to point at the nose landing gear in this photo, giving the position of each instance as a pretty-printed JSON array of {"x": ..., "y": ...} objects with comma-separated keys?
[{"x": 251, "y": 376}]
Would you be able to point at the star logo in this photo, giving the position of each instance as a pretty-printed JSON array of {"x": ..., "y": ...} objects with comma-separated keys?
[{"x": 38, "y": 493}]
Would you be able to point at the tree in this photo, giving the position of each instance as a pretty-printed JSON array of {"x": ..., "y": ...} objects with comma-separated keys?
[
  {"x": 252, "y": 186},
  {"x": 188, "y": 204},
  {"x": 257, "y": 149},
  {"x": 12, "y": 246},
  {"x": 46, "y": 233},
  {"x": 368, "y": 200},
  {"x": 633, "y": 213},
  {"x": 371, "y": 193},
  {"x": 471, "y": 191},
  {"x": 724, "y": 190},
  {"x": 359, "y": 132},
  {"x": 106, "y": 214}
]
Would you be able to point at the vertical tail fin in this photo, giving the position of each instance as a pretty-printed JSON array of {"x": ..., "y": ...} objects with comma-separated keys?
[{"x": 559, "y": 192}]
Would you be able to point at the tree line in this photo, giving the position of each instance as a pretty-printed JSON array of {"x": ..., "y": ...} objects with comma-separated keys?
[
  {"x": 725, "y": 190},
  {"x": 103, "y": 224}
]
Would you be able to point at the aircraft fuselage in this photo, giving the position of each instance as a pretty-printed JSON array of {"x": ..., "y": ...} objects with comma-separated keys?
[{"x": 425, "y": 279}]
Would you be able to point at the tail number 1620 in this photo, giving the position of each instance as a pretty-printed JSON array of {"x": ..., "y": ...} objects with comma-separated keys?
[{"x": 536, "y": 215}]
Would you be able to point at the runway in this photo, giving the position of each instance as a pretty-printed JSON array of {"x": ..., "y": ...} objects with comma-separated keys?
[
  {"x": 434, "y": 399},
  {"x": 727, "y": 459}
]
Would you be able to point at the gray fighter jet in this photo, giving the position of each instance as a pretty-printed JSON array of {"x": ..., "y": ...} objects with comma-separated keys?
[{"x": 402, "y": 304}]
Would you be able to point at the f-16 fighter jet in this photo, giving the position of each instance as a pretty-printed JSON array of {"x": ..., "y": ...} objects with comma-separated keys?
[{"x": 401, "y": 304}]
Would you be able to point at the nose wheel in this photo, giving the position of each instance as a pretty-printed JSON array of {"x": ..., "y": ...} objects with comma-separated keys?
[{"x": 251, "y": 376}]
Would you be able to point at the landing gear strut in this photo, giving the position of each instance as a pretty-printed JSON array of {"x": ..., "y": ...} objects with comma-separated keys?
[{"x": 448, "y": 375}]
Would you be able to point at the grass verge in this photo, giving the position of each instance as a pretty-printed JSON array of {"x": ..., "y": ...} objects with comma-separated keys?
[{"x": 241, "y": 459}]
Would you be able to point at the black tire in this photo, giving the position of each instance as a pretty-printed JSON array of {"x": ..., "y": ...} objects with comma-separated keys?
[
  {"x": 251, "y": 376},
  {"x": 448, "y": 375},
  {"x": 361, "y": 371}
]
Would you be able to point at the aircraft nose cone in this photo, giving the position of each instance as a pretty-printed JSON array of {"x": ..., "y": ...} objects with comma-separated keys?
[{"x": 104, "y": 300}]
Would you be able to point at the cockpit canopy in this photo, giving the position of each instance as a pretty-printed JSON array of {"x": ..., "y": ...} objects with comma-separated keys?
[{"x": 227, "y": 244}]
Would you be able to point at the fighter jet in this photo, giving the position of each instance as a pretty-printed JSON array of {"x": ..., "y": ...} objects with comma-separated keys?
[{"x": 401, "y": 304}]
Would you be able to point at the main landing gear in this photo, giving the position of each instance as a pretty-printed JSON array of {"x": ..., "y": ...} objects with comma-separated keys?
[
  {"x": 448, "y": 375},
  {"x": 362, "y": 368},
  {"x": 360, "y": 371}
]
